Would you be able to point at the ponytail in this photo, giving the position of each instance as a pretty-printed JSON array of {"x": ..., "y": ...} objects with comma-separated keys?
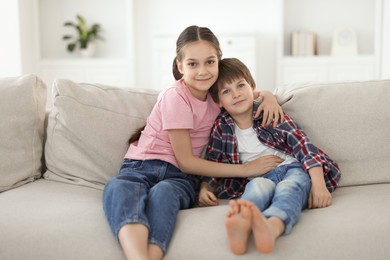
[
  {"x": 175, "y": 70},
  {"x": 136, "y": 135}
]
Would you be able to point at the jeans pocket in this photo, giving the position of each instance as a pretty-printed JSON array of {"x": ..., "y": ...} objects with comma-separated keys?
[{"x": 133, "y": 164}]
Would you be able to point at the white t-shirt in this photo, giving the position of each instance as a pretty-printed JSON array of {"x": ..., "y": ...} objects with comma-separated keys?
[
  {"x": 250, "y": 147},
  {"x": 176, "y": 108}
]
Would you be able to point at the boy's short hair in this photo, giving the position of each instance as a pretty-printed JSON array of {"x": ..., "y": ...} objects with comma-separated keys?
[{"x": 231, "y": 69}]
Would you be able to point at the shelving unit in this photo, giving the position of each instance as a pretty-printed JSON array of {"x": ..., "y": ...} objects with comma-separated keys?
[
  {"x": 113, "y": 61},
  {"x": 323, "y": 18},
  {"x": 44, "y": 51}
]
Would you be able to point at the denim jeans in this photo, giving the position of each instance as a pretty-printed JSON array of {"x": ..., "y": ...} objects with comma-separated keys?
[
  {"x": 282, "y": 192},
  {"x": 150, "y": 193}
]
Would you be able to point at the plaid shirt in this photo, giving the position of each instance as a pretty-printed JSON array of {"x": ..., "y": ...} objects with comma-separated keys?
[{"x": 287, "y": 137}]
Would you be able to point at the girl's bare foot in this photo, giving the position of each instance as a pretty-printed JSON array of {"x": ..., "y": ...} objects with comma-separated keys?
[{"x": 238, "y": 227}]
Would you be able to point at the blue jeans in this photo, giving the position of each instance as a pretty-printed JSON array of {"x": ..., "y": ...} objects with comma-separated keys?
[
  {"x": 282, "y": 192},
  {"x": 150, "y": 193}
]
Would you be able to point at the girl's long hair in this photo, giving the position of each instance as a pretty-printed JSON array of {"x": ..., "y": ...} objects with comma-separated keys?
[{"x": 190, "y": 34}]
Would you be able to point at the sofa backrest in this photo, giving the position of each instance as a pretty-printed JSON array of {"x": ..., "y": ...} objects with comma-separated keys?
[
  {"x": 89, "y": 126},
  {"x": 349, "y": 121}
]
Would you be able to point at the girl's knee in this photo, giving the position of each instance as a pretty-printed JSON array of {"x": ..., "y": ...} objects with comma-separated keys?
[
  {"x": 172, "y": 192},
  {"x": 162, "y": 189}
]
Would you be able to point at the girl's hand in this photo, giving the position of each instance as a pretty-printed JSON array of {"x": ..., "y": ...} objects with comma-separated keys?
[
  {"x": 206, "y": 196},
  {"x": 262, "y": 165},
  {"x": 271, "y": 109}
]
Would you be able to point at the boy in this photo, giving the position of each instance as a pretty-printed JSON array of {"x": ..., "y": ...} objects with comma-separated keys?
[{"x": 270, "y": 204}]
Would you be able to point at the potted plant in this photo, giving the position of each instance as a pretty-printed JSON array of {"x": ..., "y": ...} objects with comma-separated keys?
[{"x": 85, "y": 36}]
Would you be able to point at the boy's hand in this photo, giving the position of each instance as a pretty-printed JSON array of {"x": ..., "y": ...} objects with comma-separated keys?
[
  {"x": 319, "y": 196},
  {"x": 206, "y": 196}
]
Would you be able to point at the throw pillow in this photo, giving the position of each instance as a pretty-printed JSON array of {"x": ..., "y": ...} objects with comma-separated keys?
[
  {"x": 22, "y": 116},
  {"x": 89, "y": 128}
]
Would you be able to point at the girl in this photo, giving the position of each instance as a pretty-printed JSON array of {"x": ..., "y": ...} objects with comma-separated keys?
[{"x": 158, "y": 176}]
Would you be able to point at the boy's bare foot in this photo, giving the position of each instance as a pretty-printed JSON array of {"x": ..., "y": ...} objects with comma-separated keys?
[
  {"x": 263, "y": 230},
  {"x": 238, "y": 227}
]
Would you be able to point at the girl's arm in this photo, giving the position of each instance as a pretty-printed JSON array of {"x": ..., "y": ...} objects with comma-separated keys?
[
  {"x": 271, "y": 108},
  {"x": 188, "y": 163}
]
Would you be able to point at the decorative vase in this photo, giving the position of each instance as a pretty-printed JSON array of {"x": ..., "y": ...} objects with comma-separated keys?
[{"x": 89, "y": 51}]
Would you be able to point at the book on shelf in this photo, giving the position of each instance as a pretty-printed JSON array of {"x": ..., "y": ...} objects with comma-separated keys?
[{"x": 303, "y": 43}]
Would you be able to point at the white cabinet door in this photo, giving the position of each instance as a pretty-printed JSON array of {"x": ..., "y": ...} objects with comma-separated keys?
[{"x": 327, "y": 69}]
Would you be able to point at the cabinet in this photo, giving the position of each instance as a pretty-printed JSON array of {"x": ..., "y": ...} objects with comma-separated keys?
[
  {"x": 323, "y": 18},
  {"x": 113, "y": 61}
]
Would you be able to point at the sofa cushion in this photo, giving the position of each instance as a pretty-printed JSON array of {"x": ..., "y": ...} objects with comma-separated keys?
[
  {"x": 22, "y": 115},
  {"x": 89, "y": 128},
  {"x": 354, "y": 227},
  {"x": 47, "y": 220},
  {"x": 349, "y": 121}
]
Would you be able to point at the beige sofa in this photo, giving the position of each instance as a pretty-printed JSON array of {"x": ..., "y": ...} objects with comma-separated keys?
[{"x": 55, "y": 211}]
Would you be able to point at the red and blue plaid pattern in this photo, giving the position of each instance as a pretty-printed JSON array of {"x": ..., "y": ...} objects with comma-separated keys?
[{"x": 286, "y": 137}]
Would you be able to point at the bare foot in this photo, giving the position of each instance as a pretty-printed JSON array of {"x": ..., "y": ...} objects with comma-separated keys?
[
  {"x": 238, "y": 227},
  {"x": 262, "y": 229}
]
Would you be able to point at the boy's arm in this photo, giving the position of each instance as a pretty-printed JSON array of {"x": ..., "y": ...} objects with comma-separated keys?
[
  {"x": 206, "y": 196},
  {"x": 319, "y": 196},
  {"x": 271, "y": 108},
  {"x": 307, "y": 153}
]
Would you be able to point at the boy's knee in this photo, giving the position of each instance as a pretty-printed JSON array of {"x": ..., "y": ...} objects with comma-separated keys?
[
  {"x": 259, "y": 188},
  {"x": 262, "y": 185},
  {"x": 294, "y": 186}
]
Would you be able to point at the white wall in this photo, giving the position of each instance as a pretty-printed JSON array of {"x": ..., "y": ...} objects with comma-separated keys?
[
  {"x": 29, "y": 36},
  {"x": 42, "y": 29},
  {"x": 257, "y": 17},
  {"x": 111, "y": 15},
  {"x": 10, "y": 53},
  {"x": 386, "y": 40}
]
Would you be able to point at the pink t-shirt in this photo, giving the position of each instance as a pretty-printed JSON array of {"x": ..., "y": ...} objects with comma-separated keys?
[{"x": 176, "y": 108}]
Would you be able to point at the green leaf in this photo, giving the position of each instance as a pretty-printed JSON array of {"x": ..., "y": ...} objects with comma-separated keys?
[
  {"x": 69, "y": 24},
  {"x": 71, "y": 47},
  {"x": 81, "y": 19},
  {"x": 85, "y": 34}
]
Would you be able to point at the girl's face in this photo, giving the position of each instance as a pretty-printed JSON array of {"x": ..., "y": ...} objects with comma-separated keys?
[
  {"x": 236, "y": 97},
  {"x": 199, "y": 67}
]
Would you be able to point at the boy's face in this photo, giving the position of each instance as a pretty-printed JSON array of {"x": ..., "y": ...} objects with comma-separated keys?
[{"x": 236, "y": 97}]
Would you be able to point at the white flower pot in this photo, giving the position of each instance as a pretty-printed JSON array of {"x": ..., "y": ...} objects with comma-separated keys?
[{"x": 89, "y": 51}]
